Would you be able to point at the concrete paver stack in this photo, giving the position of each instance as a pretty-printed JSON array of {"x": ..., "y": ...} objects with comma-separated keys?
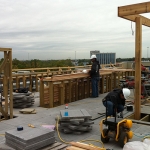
[{"x": 29, "y": 138}]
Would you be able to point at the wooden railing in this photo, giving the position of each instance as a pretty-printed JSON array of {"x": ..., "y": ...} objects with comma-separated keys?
[{"x": 61, "y": 89}]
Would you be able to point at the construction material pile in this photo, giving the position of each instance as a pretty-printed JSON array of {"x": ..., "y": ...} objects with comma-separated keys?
[
  {"x": 75, "y": 121},
  {"x": 29, "y": 138},
  {"x": 23, "y": 100}
]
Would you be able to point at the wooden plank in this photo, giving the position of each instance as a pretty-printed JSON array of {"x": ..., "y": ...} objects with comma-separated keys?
[
  {"x": 134, "y": 9},
  {"x": 145, "y": 21},
  {"x": 138, "y": 51},
  {"x": 84, "y": 146}
]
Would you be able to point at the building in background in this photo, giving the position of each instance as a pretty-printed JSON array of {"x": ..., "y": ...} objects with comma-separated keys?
[{"x": 104, "y": 58}]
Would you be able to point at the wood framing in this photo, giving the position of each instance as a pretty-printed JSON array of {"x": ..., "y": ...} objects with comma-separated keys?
[
  {"x": 132, "y": 13},
  {"x": 6, "y": 75}
]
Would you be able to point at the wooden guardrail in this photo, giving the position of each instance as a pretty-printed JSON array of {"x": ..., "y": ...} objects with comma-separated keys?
[{"x": 61, "y": 89}]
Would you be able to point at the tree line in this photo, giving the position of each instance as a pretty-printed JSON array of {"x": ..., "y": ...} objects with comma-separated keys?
[{"x": 36, "y": 63}]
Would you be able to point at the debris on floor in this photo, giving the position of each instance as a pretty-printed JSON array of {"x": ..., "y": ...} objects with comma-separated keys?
[
  {"x": 83, "y": 146},
  {"x": 28, "y": 111}
]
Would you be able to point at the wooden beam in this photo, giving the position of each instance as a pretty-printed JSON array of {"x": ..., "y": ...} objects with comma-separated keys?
[
  {"x": 3, "y": 64},
  {"x": 138, "y": 51},
  {"x": 134, "y": 9},
  {"x": 10, "y": 84},
  {"x": 145, "y": 21},
  {"x": 5, "y": 49}
]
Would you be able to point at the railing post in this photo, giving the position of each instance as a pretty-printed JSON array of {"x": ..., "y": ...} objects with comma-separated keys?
[
  {"x": 62, "y": 94},
  {"x": 41, "y": 93},
  {"x": 70, "y": 89},
  {"x": 76, "y": 90},
  {"x": 102, "y": 84},
  {"x": 51, "y": 92}
]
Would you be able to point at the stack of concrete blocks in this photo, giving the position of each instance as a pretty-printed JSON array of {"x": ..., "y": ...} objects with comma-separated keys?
[
  {"x": 75, "y": 121},
  {"x": 29, "y": 138},
  {"x": 23, "y": 100}
]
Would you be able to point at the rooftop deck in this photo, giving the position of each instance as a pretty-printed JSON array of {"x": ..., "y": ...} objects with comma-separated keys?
[{"x": 48, "y": 115}]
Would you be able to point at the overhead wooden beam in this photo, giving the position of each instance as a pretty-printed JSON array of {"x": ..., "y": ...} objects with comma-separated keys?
[
  {"x": 134, "y": 9},
  {"x": 5, "y": 49},
  {"x": 145, "y": 21}
]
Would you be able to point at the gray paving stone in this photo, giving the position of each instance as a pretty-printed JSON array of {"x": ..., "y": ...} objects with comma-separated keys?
[
  {"x": 29, "y": 138},
  {"x": 82, "y": 113}
]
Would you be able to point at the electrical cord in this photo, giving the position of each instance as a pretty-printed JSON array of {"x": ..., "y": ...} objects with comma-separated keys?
[{"x": 57, "y": 122}]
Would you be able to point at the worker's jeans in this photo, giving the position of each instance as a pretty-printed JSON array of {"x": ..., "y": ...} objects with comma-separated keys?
[
  {"x": 111, "y": 107},
  {"x": 95, "y": 91}
]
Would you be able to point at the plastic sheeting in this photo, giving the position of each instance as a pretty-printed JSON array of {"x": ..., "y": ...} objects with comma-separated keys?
[{"x": 137, "y": 145}]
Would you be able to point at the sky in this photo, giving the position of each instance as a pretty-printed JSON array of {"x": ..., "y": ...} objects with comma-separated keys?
[{"x": 68, "y": 29}]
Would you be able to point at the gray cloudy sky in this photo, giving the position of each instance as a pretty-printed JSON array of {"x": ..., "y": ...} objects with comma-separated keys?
[{"x": 59, "y": 29}]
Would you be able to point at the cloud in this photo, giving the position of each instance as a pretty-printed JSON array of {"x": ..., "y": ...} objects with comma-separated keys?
[{"x": 57, "y": 29}]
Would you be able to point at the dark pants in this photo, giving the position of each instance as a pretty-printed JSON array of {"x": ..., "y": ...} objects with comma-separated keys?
[
  {"x": 111, "y": 107},
  {"x": 95, "y": 91}
]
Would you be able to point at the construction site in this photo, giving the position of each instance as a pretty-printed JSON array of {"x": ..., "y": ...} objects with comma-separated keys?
[{"x": 52, "y": 109}]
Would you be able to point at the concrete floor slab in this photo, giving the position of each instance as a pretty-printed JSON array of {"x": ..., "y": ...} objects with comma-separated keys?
[{"x": 48, "y": 115}]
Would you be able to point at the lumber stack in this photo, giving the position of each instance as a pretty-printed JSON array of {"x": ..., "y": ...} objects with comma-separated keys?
[
  {"x": 23, "y": 100},
  {"x": 83, "y": 146}
]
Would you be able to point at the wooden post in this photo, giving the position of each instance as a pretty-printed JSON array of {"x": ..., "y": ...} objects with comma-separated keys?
[
  {"x": 51, "y": 97},
  {"x": 138, "y": 49},
  {"x": 88, "y": 87},
  {"x": 41, "y": 93},
  {"x": 11, "y": 85},
  {"x": 70, "y": 89},
  {"x": 107, "y": 83},
  {"x": 36, "y": 83},
  {"x": 62, "y": 94},
  {"x": 111, "y": 80},
  {"x": 31, "y": 84},
  {"x": 102, "y": 84},
  {"x": 76, "y": 90}
]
